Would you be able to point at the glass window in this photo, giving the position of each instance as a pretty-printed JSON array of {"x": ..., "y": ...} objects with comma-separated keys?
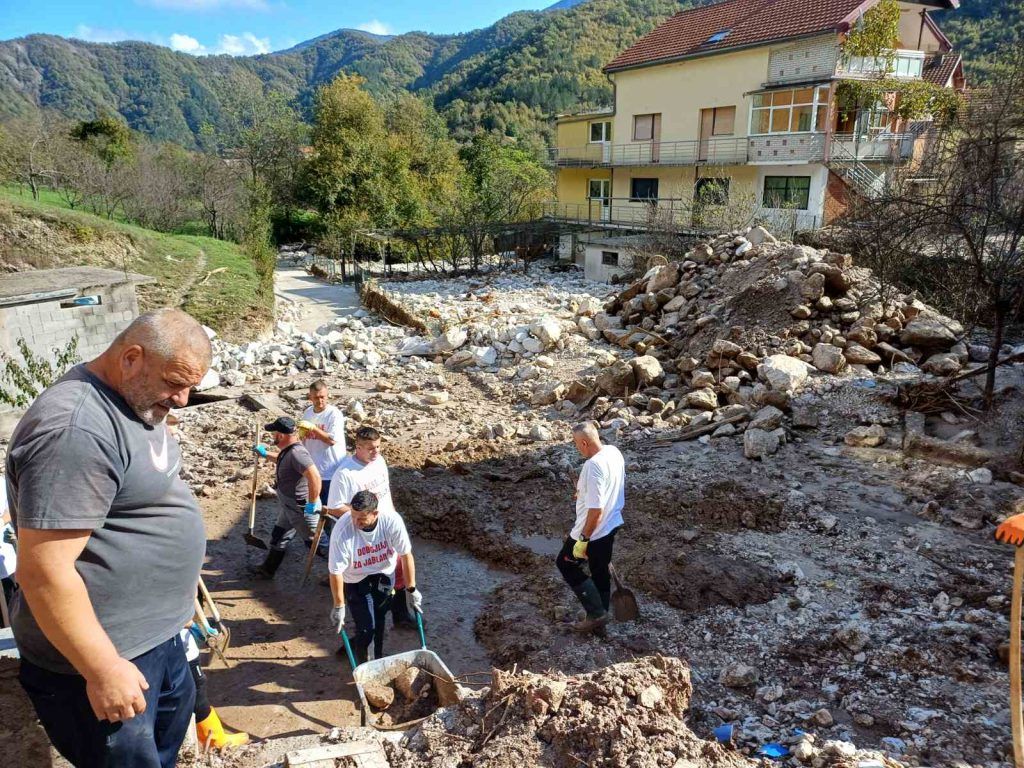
[
  {"x": 598, "y": 189},
  {"x": 643, "y": 189},
  {"x": 803, "y": 96},
  {"x": 609, "y": 258},
  {"x": 600, "y": 132},
  {"x": 643, "y": 127},
  {"x": 761, "y": 121},
  {"x": 780, "y": 121},
  {"x": 762, "y": 100},
  {"x": 781, "y": 98},
  {"x": 821, "y": 93},
  {"x": 821, "y": 121},
  {"x": 802, "y": 118},
  {"x": 711, "y": 191},
  {"x": 787, "y": 192}
]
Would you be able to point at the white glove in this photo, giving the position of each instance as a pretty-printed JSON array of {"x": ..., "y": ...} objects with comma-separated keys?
[
  {"x": 414, "y": 599},
  {"x": 338, "y": 618}
]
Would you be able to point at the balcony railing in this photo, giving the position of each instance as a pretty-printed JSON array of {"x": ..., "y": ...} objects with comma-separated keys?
[
  {"x": 904, "y": 63},
  {"x": 874, "y": 148},
  {"x": 721, "y": 151}
]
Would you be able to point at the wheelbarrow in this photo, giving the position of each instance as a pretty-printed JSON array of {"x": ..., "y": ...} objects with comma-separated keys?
[{"x": 384, "y": 671}]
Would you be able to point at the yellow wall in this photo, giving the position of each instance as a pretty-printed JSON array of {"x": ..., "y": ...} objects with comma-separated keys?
[
  {"x": 576, "y": 133},
  {"x": 678, "y": 183},
  {"x": 680, "y": 91},
  {"x": 573, "y": 183}
]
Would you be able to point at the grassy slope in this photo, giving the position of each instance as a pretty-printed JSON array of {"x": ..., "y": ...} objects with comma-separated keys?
[{"x": 227, "y": 301}]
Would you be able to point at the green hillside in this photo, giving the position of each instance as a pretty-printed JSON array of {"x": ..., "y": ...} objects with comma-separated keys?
[
  {"x": 511, "y": 77},
  {"x": 211, "y": 279}
]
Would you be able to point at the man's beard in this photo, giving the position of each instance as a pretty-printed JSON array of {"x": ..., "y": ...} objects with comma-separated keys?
[{"x": 141, "y": 402}]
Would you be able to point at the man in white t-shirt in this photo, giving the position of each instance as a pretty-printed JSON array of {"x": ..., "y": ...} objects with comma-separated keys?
[
  {"x": 8, "y": 553},
  {"x": 365, "y": 547},
  {"x": 587, "y": 551},
  {"x": 322, "y": 430},
  {"x": 364, "y": 470}
]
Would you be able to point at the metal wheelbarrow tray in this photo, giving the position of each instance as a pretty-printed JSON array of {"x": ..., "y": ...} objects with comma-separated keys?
[{"x": 383, "y": 672}]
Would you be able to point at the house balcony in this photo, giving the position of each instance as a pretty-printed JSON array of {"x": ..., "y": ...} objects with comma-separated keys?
[
  {"x": 905, "y": 64},
  {"x": 720, "y": 151}
]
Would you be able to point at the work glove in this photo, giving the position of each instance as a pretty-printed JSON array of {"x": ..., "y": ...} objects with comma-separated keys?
[
  {"x": 8, "y": 534},
  {"x": 338, "y": 618},
  {"x": 312, "y": 507},
  {"x": 261, "y": 449},
  {"x": 414, "y": 599},
  {"x": 579, "y": 549},
  {"x": 304, "y": 427}
]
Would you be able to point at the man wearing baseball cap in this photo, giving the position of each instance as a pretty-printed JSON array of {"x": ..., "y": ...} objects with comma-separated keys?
[{"x": 298, "y": 491}]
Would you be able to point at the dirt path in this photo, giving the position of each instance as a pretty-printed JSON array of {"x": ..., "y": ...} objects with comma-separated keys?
[{"x": 320, "y": 302}]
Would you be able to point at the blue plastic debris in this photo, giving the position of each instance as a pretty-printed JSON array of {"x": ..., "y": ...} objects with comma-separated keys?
[
  {"x": 86, "y": 301},
  {"x": 774, "y": 751},
  {"x": 724, "y": 733}
]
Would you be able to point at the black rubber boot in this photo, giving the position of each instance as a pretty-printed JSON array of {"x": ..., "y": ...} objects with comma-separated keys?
[
  {"x": 606, "y": 600},
  {"x": 590, "y": 599},
  {"x": 270, "y": 564}
]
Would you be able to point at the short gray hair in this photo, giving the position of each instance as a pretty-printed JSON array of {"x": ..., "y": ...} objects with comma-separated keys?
[
  {"x": 589, "y": 430},
  {"x": 168, "y": 333}
]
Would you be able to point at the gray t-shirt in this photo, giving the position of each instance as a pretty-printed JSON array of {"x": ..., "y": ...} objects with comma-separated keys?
[
  {"x": 292, "y": 485},
  {"x": 81, "y": 459}
]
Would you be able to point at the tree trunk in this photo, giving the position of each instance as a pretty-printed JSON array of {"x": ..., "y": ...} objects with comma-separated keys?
[{"x": 993, "y": 355}]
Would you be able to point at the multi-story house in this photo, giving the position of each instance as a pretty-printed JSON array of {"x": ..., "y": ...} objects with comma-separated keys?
[{"x": 735, "y": 104}]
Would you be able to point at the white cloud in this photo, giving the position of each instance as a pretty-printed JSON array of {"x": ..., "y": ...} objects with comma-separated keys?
[
  {"x": 106, "y": 34},
  {"x": 209, "y": 5},
  {"x": 246, "y": 44},
  {"x": 186, "y": 44},
  {"x": 376, "y": 27}
]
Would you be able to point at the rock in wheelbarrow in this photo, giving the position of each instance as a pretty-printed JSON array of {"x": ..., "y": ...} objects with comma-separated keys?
[
  {"x": 379, "y": 696},
  {"x": 410, "y": 682}
]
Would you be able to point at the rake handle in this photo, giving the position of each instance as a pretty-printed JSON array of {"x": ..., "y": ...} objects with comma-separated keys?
[{"x": 1016, "y": 719}]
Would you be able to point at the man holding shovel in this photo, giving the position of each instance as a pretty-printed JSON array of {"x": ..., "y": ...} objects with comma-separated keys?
[
  {"x": 366, "y": 545},
  {"x": 587, "y": 551},
  {"x": 298, "y": 492}
]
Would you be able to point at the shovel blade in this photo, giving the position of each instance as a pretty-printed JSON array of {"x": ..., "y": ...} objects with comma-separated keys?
[
  {"x": 255, "y": 541},
  {"x": 624, "y": 605}
]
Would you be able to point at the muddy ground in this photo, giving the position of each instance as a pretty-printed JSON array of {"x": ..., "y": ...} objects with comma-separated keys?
[{"x": 862, "y": 589}]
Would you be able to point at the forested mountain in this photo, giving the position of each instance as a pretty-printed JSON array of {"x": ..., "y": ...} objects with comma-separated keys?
[{"x": 510, "y": 77}]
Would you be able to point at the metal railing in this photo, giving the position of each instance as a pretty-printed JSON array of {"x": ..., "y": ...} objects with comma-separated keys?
[
  {"x": 875, "y": 148},
  {"x": 904, "y": 63},
  {"x": 623, "y": 212},
  {"x": 857, "y": 175},
  {"x": 720, "y": 151}
]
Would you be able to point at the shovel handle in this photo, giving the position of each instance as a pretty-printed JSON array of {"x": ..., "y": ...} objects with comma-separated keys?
[
  {"x": 313, "y": 548},
  {"x": 209, "y": 601},
  {"x": 419, "y": 626},
  {"x": 1016, "y": 719},
  {"x": 255, "y": 480},
  {"x": 348, "y": 650}
]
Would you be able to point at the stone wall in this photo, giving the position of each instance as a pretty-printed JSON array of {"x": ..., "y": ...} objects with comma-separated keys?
[{"x": 47, "y": 325}]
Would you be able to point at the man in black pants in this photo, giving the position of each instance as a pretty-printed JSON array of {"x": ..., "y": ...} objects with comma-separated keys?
[
  {"x": 365, "y": 547},
  {"x": 297, "y": 482},
  {"x": 587, "y": 551}
]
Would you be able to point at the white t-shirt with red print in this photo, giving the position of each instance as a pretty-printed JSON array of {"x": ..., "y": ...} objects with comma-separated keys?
[{"x": 356, "y": 554}]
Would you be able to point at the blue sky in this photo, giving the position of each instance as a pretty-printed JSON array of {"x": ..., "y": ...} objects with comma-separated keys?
[{"x": 243, "y": 26}]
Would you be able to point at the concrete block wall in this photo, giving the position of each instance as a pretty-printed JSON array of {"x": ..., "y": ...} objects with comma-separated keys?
[
  {"x": 803, "y": 61},
  {"x": 46, "y": 325}
]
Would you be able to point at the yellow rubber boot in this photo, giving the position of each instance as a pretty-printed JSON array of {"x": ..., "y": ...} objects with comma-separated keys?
[{"x": 211, "y": 729}]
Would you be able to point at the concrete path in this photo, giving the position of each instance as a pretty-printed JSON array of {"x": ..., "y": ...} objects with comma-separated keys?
[{"x": 321, "y": 302}]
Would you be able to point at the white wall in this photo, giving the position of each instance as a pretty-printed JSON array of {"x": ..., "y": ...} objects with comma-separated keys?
[
  {"x": 819, "y": 179},
  {"x": 593, "y": 268}
]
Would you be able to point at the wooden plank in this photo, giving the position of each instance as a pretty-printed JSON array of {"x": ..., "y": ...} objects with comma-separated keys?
[{"x": 326, "y": 755}]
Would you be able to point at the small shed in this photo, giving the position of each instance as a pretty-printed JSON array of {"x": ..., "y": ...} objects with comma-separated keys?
[
  {"x": 609, "y": 257},
  {"x": 49, "y": 307}
]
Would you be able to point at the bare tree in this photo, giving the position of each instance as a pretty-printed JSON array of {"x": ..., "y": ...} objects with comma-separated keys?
[
  {"x": 27, "y": 151},
  {"x": 957, "y": 219}
]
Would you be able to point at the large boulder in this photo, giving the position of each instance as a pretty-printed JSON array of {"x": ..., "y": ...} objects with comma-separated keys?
[
  {"x": 768, "y": 419},
  {"x": 758, "y": 443},
  {"x": 782, "y": 372},
  {"x": 666, "y": 277},
  {"x": 828, "y": 358},
  {"x": 943, "y": 364},
  {"x": 855, "y": 354},
  {"x": 547, "y": 393},
  {"x": 813, "y": 287},
  {"x": 704, "y": 399},
  {"x": 616, "y": 379},
  {"x": 866, "y": 437},
  {"x": 928, "y": 333},
  {"x": 548, "y": 330},
  {"x": 648, "y": 371},
  {"x": 449, "y": 340}
]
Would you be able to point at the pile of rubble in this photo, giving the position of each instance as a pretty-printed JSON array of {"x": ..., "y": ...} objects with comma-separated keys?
[
  {"x": 495, "y": 321},
  {"x": 628, "y": 714},
  {"x": 733, "y": 332}
]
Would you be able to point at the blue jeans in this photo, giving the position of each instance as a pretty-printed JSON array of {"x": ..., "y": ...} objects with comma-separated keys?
[{"x": 149, "y": 740}]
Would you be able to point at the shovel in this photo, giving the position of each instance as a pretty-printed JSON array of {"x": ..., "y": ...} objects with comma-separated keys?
[
  {"x": 223, "y": 630},
  {"x": 252, "y": 539},
  {"x": 624, "y": 606}
]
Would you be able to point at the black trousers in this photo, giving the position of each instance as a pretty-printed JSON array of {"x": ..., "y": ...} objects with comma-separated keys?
[
  {"x": 599, "y": 556},
  {"x": 368, "y": 602},
  {"x": 202, "y": 706}
]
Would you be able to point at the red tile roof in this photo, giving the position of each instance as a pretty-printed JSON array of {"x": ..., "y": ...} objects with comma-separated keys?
[
  {"x": 938, "y": 69},
  {"x": 750, "y": 22}
]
